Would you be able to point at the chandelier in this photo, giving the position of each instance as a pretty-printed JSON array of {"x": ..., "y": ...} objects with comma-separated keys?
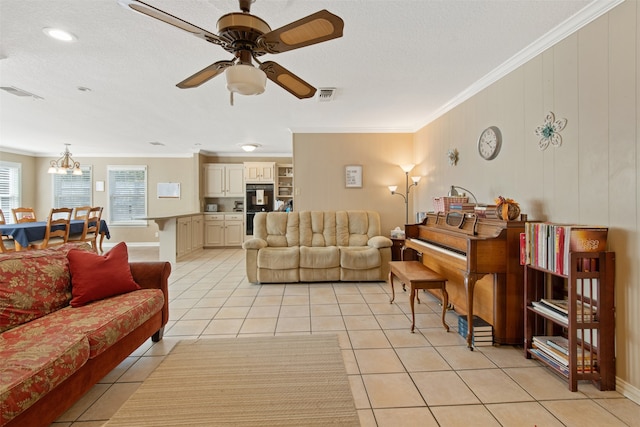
[{"x": 65, "y": 164}]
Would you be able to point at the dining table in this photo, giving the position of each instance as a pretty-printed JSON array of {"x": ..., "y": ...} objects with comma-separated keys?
[{"x": 26, "y": 232}]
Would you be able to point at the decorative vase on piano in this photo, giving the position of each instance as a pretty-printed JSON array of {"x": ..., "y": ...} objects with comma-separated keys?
[{"x": 507, "y": 209}]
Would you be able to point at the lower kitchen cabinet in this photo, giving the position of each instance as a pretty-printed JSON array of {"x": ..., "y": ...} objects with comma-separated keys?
[
  {"x": 221, "y": 230},
  {"x": 189, "y": 235}
]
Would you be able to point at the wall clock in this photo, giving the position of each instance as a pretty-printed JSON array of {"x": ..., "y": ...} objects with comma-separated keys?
[{"x": 489, "y": 143}]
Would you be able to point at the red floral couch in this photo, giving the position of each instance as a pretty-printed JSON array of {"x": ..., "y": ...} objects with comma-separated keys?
[{"x": 52, "y": 352}]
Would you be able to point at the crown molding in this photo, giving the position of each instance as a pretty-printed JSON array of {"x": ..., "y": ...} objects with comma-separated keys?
[{"x": 571, "y": 25}]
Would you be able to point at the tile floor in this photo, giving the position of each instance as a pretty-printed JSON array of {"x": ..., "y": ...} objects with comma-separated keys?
[{"x": 428, "y": 378}]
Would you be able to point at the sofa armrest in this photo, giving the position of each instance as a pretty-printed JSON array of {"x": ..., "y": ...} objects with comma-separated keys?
[
  {"x": 380, "y": 242},
  {"x": 154, "y": 275},
  {"x": 254, "y": 243}
]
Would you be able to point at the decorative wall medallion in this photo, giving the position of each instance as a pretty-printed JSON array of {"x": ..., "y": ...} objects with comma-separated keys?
[
  {"x": 452, "y": 155},
  {"x": 549, "y": 132}
]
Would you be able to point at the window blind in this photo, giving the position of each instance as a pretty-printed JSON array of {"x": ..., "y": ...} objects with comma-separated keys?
[
  {"x": 127, "y": 195},
  {"x": 10, "y": 188},
  {"x": 71, "y": 190}
]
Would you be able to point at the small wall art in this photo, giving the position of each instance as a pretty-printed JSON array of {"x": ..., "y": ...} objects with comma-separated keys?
[
  {"x": 168, "y": 190},
  {"x": 452, "y": 155},
  {"x": 549, "y": 131},
  {"x": 353, "y": 176}
]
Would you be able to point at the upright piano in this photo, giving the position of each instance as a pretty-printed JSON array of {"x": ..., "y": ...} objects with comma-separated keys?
[{"x": 480, "y": 257}]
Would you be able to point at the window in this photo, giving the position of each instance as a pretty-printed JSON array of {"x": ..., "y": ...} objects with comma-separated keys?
[
  {"x": 127, "y": 195},
  {"x": 71, "y": 190},
  {"x": 10, "y": 187}
]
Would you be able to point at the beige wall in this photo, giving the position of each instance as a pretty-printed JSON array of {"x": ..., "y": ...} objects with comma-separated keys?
[
  {"x": 37, "y": 189},
  {"x": 28, "y": 173},
  {"x": 591, "y": 79},
  {"x": 319, "y": 162}
]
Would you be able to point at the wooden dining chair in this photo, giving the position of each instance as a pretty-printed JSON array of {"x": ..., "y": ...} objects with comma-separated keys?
[
  {"x": 6, "y": 243},
  {"x": 81, "y": 212},
  {"x": 57, "y": 230},
  {"x": 91, "y": 229},
  {"x": 23, "y": 215}
]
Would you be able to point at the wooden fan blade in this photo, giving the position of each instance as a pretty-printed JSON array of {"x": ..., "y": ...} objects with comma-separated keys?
[
  {"x": 287, "y": 80},
  {"x": 204, "y": 75},
  {"x": 316, "y": 28},
  {"x": 160, "y": 15}
]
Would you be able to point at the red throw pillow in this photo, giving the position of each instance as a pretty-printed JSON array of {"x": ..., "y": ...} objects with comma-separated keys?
[{"x": 95, "y": 277}]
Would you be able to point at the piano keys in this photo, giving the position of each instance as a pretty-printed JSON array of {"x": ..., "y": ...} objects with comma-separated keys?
[{"x": 480, "y": 259}]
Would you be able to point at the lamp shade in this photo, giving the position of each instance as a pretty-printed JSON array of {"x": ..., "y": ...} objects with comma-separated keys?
[{"x": 246, "y": 79}]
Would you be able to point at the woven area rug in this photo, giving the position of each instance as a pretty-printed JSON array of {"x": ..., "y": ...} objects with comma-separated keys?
[{"x": 257, "y": 381}]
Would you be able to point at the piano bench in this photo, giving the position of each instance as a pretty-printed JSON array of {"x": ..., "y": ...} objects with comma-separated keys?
[{"x": 418, "y": 276}]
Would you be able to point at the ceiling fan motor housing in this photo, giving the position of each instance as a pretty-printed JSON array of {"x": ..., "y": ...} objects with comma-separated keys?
[{"x": 240, "y": 31}]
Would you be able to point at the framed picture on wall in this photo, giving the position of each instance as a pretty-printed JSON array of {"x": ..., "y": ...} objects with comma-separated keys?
[{"x": 353, "y": 176}]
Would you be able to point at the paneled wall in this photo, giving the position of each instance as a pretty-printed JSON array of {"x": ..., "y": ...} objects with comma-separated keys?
[
  {"x": 319, "y": 161},
  {"x": 591, "y": 79}
]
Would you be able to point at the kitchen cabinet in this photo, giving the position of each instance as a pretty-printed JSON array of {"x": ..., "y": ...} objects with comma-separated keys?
[
  {"x": 184, "y": 237},
  {"x": 197, "y": 232},
  {"x": 284, "y": 184},
  {"x": 189, "y": 235},
  {"x": 223, "y": 230},
  {"x": 259, "y": 171},
  {"x": 223, "y": 180}
]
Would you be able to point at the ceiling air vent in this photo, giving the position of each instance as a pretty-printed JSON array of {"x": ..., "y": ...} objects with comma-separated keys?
[
  {"x": 19, "y": 92},
  {"x": 326, "y": 94}
]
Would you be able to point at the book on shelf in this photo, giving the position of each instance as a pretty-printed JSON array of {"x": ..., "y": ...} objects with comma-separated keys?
[
  {"x": 584, "y": 311},
  {"x": 548, "y": 245},
  {"x": 562, "y": 305},
  {"x": 550, "y": 352},
  {"x": 557, "y": 347},
  {"x": 559, "y": 343},
  {"x": 544, "y": 309},
  {"x": 551, "y": 361}
]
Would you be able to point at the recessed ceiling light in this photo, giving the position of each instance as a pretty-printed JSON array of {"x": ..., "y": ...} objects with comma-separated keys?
[
  {"x": 59, "y": 34},
  {"x": 250, "y": 147}
]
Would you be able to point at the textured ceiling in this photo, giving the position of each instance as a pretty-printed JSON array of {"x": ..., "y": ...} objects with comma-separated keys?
[{"x": 398, "y": 66}]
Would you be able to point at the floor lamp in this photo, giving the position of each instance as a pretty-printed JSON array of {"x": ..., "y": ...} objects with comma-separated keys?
[{"x": 405, "y": 196}]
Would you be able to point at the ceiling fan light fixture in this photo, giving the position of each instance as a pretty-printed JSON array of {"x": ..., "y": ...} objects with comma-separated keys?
[{"x": 246, "y": 79}]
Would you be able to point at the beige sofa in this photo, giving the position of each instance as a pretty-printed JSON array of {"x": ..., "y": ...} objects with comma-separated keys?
[{"x": 317, "y": 246}]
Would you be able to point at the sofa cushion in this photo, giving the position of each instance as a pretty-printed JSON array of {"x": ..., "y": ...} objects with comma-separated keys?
[
  {"x": 279, "y": 258},
  {"x": 319, "y": 257},
  {"x": 106, "y": 321},
  {"x": 278, "y": 229},
  {"x": 355, "y": 228},
  {"x": 32, "y": 284},
  {"x": 95, "y": 277},
  {"x": 317, "y": 228},
  {"x": 34, "y": 361},
  {"x": 320, "y": 274},
  {"x": 359, "y": 258}
]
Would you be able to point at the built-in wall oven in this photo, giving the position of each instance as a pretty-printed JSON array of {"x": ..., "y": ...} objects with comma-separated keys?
[{"x": 259, "y": 198}]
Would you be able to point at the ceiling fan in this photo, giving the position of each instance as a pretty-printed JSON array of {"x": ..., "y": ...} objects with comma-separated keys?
[{"x": 248, "y": 37}]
